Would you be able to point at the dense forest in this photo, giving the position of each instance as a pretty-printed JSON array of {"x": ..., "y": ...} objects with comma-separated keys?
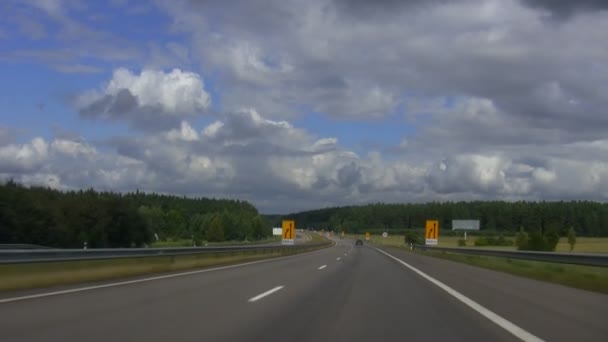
[
  {"x": 37, "y": 215},
  {"x": 586, "y": 218}
]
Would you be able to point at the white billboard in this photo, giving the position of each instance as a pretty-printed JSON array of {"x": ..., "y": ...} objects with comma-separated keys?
[
  {"x": 277, "y": 231},
  {"x": 465, "y": 224}
]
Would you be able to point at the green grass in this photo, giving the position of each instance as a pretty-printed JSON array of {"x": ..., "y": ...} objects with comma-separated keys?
[
  {"x": 583, "y": 244},
  {"x": 316, "y": 237},
  {"x": 34, "y": 275},
  {"x": 583, "y": 277},
  {"x": 188, "y": 243}
]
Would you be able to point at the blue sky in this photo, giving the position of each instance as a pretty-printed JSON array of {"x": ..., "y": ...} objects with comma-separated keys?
[
  {"x": 317, "y": 101},
  {"x": 50, "y": 111}
]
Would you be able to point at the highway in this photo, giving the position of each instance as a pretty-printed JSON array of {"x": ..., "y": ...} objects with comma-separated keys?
[{"x": 341, "y": 293}]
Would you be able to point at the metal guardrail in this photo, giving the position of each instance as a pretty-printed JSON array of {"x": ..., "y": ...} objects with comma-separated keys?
[
  {"x": 586, "y": 259},
  {"x": 53, "y": 255}
]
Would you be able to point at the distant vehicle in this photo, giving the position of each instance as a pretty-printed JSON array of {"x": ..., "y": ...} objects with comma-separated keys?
[{"x": 359, "y": 242}]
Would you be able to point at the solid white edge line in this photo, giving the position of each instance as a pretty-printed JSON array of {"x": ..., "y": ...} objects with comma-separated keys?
[
  {"x": 495, "y": 318},
  {"x": 262, "y": 295},
  {"x": 322, "y": 267},
  {"x": 143, "y": 280}
]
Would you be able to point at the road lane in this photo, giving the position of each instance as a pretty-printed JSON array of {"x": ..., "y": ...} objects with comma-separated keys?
[
  {"x": 183, "y": 307},
  {"x": 367, "y": 298},
  {"x": 364, "y": 296},
  {"x": 552, "y": 311}
]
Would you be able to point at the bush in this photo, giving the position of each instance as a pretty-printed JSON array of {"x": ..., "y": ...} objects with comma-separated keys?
[
  {"x": 537, "y": 241},
  {"x": 481, "y": 241},
  {"x": 493, "y": 241},
  {"x": 413, "y": 237},
  {"x": 462, "y": 242},
  {"x": 552, "y": 237}
]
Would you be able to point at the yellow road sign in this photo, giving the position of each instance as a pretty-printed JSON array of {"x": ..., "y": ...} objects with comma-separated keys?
[
  {"x": 289, "y": 230},
  {"x": 367, "y": 236},
  {"x": 431, "y": 232}
]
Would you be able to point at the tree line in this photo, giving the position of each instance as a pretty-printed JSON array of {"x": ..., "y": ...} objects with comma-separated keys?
[
  {"x": 43, "y": 216},
  {"x": 586, "y": 218}
]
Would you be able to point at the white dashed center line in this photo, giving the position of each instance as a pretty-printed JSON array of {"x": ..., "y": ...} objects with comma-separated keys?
[
  {"x": 262, "y": 295},
  {"x": 322, "y": 267}
]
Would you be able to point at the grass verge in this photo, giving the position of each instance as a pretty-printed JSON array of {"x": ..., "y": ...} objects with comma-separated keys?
[
  {"x": 316, "y": 237},
  {"x": 583, "y": 277},
  {"x": 36, "y": 275},
  {"x": 583, "y": 244},
  {"x": 188, "y": 243}
]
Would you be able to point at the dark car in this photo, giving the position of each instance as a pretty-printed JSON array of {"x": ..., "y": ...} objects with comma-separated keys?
[{"x": 359, "y": 242}]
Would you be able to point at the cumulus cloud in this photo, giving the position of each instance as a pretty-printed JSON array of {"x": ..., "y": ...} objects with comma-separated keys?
[
  {"x": 307, "y": 171},
  {"x": 17, "y": 158},
  {"x": 496, "y": 102},
  {"x": 72, "y": 148},
  {"x": 186, "y": 133},
  {"x": 341, "y": 59},
  {"x": 469, "y": 173},
  {"x": 151, "y": 97}
]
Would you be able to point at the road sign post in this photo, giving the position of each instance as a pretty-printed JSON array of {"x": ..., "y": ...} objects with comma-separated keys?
[
  {"x": 431, "y": 233},
  {"x": 289, "y": 232}
]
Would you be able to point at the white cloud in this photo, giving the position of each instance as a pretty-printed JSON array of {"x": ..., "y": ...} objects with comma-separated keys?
[
  {"x": 24, "y": 157},
  {"x": 246, "y": 62},
  {"x": 72, "y": 148},
  {"x": 491, "y": 103},
  {"x": 543, "y": 175},
  {"x": 468, "y": 173},
  {"x": 212, "y": 129},
  {"x": 152, "y": 99},
  {"x": 186, "y": 133},
  {"x": 174, "y": 92},
  {"x": 312, "y": 171}
]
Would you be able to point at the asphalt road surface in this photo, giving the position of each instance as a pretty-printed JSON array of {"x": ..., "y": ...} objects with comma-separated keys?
[{"x": 342, "y": 293}]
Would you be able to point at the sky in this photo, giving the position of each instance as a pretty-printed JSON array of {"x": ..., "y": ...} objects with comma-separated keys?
[{"x": 295, "y": 105}]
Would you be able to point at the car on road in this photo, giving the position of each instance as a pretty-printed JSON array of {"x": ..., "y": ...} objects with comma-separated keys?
[{"x": 359, "y": 242}]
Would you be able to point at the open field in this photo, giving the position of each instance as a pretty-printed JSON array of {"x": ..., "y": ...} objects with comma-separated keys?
[
  {"x": 583, "y": 244},
  {"x": 33, "y": 275},
  {"x": 583, "y": 277}
]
